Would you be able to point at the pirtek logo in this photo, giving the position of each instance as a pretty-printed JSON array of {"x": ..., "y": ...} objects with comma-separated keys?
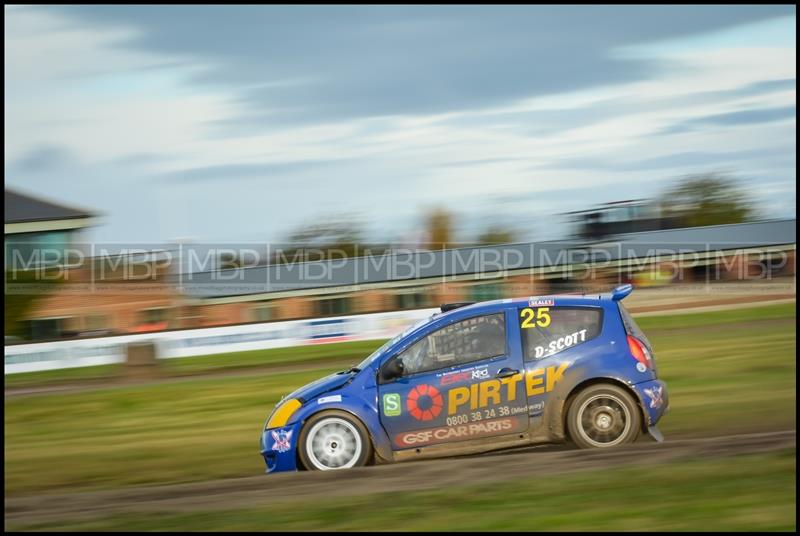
[
  {"x": 479, "y": 395},
  {"x": 424, "y": 402}
]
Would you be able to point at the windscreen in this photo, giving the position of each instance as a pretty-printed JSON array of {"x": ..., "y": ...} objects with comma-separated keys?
[{"x": 391, "y": 341}]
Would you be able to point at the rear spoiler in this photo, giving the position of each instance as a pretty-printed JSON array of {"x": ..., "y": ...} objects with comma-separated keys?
[
  {"x": 621, "y": 292},
  {"x": 450, "y": 306}
]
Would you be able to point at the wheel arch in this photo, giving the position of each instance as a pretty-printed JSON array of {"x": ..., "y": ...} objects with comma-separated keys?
[
  {"x": 599, "y": 381},
  {"x": 328, "y": 409}
]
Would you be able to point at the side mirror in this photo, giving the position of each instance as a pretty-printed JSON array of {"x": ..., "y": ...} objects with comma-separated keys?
[{"x": 392, "y": 369}]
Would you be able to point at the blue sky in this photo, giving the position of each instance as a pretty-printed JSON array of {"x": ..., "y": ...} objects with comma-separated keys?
[{"x": 241, "y": 123}]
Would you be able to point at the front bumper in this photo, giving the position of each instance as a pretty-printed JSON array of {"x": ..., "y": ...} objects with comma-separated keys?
[{"x": 279, "y": 448}]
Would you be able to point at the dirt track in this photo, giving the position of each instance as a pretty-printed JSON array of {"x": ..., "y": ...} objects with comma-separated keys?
[{"x": 452, "y": 472}]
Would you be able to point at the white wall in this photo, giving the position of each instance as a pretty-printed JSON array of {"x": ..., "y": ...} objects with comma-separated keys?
[{"x": 186, "y": 343}]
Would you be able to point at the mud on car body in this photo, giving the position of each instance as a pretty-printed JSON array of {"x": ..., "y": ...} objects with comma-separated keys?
[{"x": 479, "y": 377}]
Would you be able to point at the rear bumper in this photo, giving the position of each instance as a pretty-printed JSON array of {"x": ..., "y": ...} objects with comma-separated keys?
[{"x": 654, "y": 399}]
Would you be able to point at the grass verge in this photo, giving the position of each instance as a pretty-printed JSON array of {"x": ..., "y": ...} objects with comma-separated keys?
[{"x": 724, "y": 377}]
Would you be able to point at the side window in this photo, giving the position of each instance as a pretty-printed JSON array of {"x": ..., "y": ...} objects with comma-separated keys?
[
  {"x": 469, "y": 340},
  {"x": 547, "y": 331}
]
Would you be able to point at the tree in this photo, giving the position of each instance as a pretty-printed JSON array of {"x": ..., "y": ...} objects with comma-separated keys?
[
  {"x": 440, "y": 228},
  {"x": 334, "y": 238},
  {"x": 497, "y": 234},
  {"x": 18, "y": 303},
  {"x": 707, "y": 199}
]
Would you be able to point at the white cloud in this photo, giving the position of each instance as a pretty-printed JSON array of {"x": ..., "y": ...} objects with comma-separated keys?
[{"x": 73, "y": 87}]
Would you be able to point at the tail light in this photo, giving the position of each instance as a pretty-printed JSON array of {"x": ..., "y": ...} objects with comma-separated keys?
[{"x": 640, "y": 352}]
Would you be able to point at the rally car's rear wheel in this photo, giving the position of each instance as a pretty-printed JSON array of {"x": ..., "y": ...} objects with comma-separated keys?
[
  {"x": 334, "y": 440},
  {"x": 603, "y": 415}
]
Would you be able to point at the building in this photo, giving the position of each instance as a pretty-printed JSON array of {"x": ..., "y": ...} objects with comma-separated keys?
[
  {"x": 55, "y": 288},
  {"x": 103, "y": 295},
  {"x": 33, "y": 224},
  {"x": 755, "y": 251},
  {"x": 618, "y": 217},
  {"x": 107, "y": 295}
]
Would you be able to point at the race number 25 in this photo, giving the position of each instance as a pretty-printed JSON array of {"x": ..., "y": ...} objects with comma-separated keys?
[{"x": 532, "y": 318}]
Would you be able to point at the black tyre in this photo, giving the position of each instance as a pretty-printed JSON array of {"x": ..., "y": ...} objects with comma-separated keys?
[
  {"x": 334, "y": 440},
  {"x": 603, "y": 416}
]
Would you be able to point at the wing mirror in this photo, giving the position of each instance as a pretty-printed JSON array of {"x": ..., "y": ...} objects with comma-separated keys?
[{"x": 392, "y": 369}]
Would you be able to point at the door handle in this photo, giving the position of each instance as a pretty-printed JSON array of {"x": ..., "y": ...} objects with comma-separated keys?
[{"x": 506, "y": 372}]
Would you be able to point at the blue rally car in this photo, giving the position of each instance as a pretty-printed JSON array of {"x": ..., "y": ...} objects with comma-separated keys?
[{"x": 479, "y": 377}]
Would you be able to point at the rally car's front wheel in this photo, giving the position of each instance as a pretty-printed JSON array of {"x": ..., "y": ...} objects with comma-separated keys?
[
  {"x": 334, "y": 440},
  {"x": 603, "y": 415}
]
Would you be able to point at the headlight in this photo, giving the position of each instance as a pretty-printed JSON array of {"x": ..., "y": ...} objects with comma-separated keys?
[{"x": 282, "y": 412}]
